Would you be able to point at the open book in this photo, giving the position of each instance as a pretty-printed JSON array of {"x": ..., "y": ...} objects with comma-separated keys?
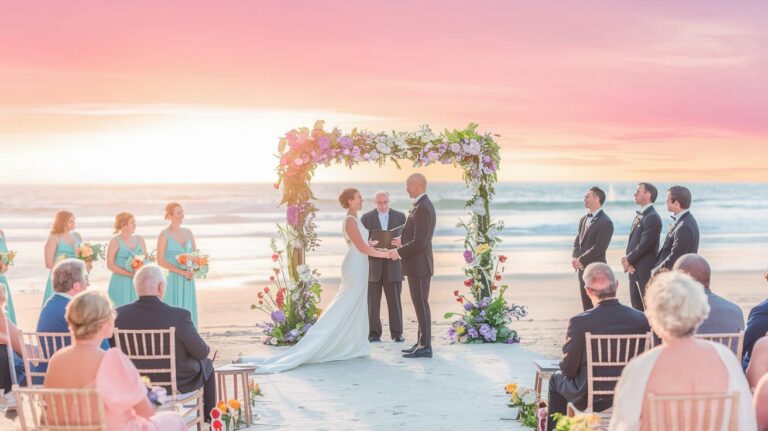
[{"x": 384, "y": 237}]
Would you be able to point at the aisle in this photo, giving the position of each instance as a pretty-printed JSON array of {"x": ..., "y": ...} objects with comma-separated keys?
[{"x": 461, "y": 388}]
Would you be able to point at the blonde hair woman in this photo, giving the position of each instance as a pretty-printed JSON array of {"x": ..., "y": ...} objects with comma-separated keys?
[
  {"x": 122, "y": 248},
  {"x": 676, "y": 305},
  {"x": 84, "y": 364},
  {"x": 61, "y": 244},
  {"x": 180, "y": 290}
]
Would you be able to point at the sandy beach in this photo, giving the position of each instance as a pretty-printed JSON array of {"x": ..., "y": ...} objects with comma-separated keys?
[{"x": 462, "y": 387}]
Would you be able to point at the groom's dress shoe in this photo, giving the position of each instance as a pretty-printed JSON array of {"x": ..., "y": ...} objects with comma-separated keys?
[
  {"x": 412, "y": 349},
  {"x": 398, "y": 339},
  {"x": 374, "y": 340},
  {"x": 424, "y": 352}
]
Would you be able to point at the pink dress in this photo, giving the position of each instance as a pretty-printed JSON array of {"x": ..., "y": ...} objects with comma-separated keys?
[{"x": 121, "y": 388}]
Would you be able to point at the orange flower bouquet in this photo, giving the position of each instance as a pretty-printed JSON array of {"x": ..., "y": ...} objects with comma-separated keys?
[
  {"x": 133, "y": 263},
  {"x": 227, "y": 416},
  {"x": 88, "y": 252},
  {"x": 195, "y": 261}
]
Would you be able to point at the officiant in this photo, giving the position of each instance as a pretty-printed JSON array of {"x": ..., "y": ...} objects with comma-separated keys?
[{"x": 384, "y": 274}]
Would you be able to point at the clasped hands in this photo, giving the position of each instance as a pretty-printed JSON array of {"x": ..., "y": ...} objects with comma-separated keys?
[
  {"x": 392, "y": 254},
  {"x": 627, "y": 266}
]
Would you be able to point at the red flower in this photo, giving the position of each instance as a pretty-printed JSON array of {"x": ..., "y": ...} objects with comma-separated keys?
[
  {"x": 276, "y": 186},
  {"x": 498, "y": 277},
  {"x": 455, "y": 293},
  {"x": 460, "y": 300},
  {"x": 271, "y": 278},
  {"x": 261, "y": 302},
  {"x": 261, "y": 295},
  {"x": 468, "y": 282},
  {"x": 277, "y": 270},
  {"x": 280, "y": 299},
  {"x": 494, "y": 287},
  {"x": 275, "y": 257},
  {"x": 502, "y": 258},
  {"x": 266, "y": 289},
  {"x": 215, "y": 413}
]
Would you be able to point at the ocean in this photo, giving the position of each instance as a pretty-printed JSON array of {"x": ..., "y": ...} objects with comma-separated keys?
[{"x": 233, "y": 223}]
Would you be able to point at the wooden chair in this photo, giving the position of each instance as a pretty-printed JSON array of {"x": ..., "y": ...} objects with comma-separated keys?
[
  {"x": 608, "y": 352},
  {"x": 160, "y": 345},
  {"x": 733, "y": 341},
  {"x": 41, "y": 409},
  {"x": 39, "y": 347},
  {"x": 693, "y": 412}
]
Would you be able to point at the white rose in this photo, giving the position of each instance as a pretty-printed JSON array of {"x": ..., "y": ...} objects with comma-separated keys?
[
  {"x": 478, "y": 208},
  {"x": 383, "y": 148}
]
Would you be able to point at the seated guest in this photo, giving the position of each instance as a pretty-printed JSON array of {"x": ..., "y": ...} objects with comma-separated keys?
[
  {"x": 758, "y": 366},
  {"x": 607, "y": 317},
  {"x": 83, "y": 364},
  {"x": 10, "y": 336},
  {"x": 193, "y": 368},
  {"x": 69, "y": 278},
  {"x": 725, "y": 317},
  {"x": 757, "y": 327},
  {"x": 676, "y": 305},
  {"x": 760, "y": 401}
]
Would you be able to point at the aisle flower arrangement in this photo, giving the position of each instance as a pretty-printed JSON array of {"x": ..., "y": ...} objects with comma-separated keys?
[
  {"x": 290, "y": 304},
  {"x": 486, "y": 315},
  {"x": 227, "y": 416},
  {"x": 580, "y": 422},
  {"x": 302, "y": 150},
  {"x": 524, "y": 401}
]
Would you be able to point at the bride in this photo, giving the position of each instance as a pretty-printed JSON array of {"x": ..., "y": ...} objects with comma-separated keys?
[{"x": 341, "y": 332}]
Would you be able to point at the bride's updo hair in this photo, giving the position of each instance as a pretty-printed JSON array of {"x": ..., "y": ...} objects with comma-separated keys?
[{"x": 347, "y": 195}]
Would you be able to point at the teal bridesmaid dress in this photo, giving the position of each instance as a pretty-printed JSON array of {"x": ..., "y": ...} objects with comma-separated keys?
[
  {"x": 63, "y": 251},
  {"x": 10, "y": 311},
  {"x": 179, "y": 292},
  {"x": 121, "y": 290}
]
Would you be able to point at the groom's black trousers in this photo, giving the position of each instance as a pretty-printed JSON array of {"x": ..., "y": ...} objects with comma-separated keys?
[{"x": 419, "y": 287}]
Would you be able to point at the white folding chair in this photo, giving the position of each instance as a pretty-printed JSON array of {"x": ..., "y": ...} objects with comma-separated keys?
[
  {"x": 713, "y": 412},
  {"x": 42, "y": 409}
]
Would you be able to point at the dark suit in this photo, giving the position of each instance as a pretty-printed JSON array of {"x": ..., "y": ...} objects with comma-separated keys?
[
  {"x": 642, "y": 249},
  {"x": 570, "y": 383},
  {"x": 590, "y": 246},
  {"x": 193, "y": 368},
  {"x": 682, "y": 238},
  {"x": 757, "y": 327},
  {"x": 387, "y": 275},
  {"x": 416, "y": 254}
]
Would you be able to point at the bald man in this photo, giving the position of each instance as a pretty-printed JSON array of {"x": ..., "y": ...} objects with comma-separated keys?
[
  {"x": 725, "y": 317},
  {"x": 414, "y": 247}
]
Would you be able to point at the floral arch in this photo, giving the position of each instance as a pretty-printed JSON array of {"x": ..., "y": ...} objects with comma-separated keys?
[{"x": 292, "y": 305}]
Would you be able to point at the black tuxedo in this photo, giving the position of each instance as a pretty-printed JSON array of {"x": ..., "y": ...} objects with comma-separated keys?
[
  {"x": 570, "y": 383},
  {"x": 418, "y": 265},
  {"x": 193, "y": 368},
  {"x": 387, "y": 275},
  {"x": 642, "y": 248},
  {"x": 682, "y": 238},
  {"x": 590, "y": 246}
]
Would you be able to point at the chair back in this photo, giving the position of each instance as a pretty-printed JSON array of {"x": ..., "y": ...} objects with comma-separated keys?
[
  {"x": 153, "y": 351},
  {"x": 38, "y": 350},
  {"x": 606, "y": 357},
  {"x": 42, "y": 409},
  {"x": 733, "y": 341},
  {"x": 712, "y": 412}
]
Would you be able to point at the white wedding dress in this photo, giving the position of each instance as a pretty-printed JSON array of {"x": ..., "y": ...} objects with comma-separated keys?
[{"x": 341, "y": 332}]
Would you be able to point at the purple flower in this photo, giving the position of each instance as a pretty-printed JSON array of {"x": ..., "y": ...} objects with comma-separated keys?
[
  {"x": 345, "y": 142},
  {"x": 452, "y": 334},
  {"x": 486, "y": 159},
  {"x": 355, "y": 151},
  {"x": 472, "y": 333},
  {"x": 512, "y": 340},
  {"x": 488, "y": 332},
  {"x": 485, "y": 302},
  {"x": 278, "y": 317},
  {"x": 292, "y": 215},
  {"x": 432, "y": 156},
  {"x": 468, "y": 256},
  {"x": 324, "y": 143},
  {"x": 468, "y": 306}
]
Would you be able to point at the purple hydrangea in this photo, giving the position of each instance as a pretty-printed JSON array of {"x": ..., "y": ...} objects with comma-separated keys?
[
  {"x": 488, "y": 332},
  {"x": 452, "y": 334},
  {"x": 485, "y": 302},
  {"x": 345, "y": 142},
  {"x": 468, "y": 256},
  {"x": 469, "y": 306},
  {"x": 278, "y": 317},
  {"x": 472, "y": 332},
  {"x": 324, "y": 143},
  {"x": 292, "y": 215}
]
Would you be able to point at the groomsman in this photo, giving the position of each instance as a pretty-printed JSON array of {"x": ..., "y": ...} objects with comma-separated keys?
[
  {"x": 384, "y": 274},
  {"x": 592, "y": 240},
  {"x": 643, "y": 244},
  {"x": 683, "y": 235}
]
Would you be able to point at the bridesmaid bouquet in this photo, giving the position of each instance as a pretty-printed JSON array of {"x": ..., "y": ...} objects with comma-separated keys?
[
  {"x": 133, "y": 263},
  {"x": 157, "y": 395},
  {"x": 7, "y": 257},
  {"x": 88, "y": 252},
  {"x": 195, "y": 261}
]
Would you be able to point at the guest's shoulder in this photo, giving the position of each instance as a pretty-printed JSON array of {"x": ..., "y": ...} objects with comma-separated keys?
[{"x": 761, "y": 308}]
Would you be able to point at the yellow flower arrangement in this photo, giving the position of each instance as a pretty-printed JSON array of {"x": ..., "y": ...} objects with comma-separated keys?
[{"x": 482, "y": 248}]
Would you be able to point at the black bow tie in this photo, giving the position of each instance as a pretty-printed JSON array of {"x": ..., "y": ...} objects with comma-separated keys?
[
  {"x": 674, "y": 218},
  {"x": 590, "y": 215}
]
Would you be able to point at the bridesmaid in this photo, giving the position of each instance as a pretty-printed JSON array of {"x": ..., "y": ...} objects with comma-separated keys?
[
  {"x": 61, "y": 244},
  {"x": 122, "y": 248},
  {"x": 10, "y": 312},
  {"x": 175, "y": 240}
]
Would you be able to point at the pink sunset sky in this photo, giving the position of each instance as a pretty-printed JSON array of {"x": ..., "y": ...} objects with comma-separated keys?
[{"x": 178, "y": 91}]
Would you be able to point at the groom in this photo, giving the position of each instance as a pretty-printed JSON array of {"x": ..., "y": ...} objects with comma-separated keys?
[{"x": 414, "y": 247}]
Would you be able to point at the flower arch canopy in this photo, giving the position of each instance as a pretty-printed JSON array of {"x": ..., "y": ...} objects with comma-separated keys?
[{"x": 302, "y": 150}]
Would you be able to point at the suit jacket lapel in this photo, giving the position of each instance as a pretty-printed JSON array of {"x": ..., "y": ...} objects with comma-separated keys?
[
  {"x": 583, "y": 229},
  {"x": 389, "y": 220},
  {"x": 376, "y": 220}
]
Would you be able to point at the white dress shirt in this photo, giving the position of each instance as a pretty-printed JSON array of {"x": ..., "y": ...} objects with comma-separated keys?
[{"x": 383, "y": 219}]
